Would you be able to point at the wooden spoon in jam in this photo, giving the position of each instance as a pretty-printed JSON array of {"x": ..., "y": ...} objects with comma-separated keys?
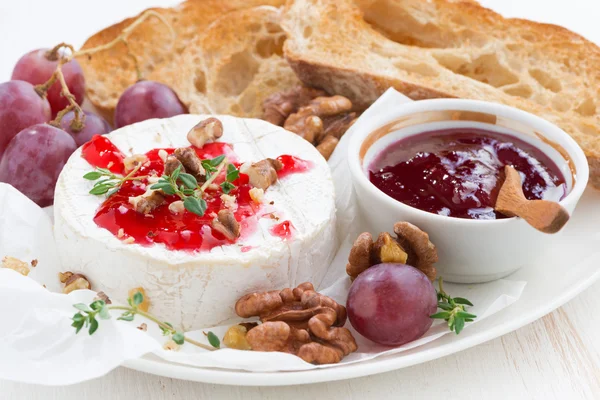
[{"x": 545, "y": 216}]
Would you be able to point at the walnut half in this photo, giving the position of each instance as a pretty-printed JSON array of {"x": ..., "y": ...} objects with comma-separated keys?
[
  {"x": 298, "y": 321},
  {"x": 411, "y": 246}
]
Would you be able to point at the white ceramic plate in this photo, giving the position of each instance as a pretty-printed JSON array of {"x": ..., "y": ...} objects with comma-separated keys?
[{"x": 568, "y": 270}]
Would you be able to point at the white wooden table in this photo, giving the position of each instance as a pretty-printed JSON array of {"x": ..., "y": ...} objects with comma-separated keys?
[{"x": 556, "y": 357}]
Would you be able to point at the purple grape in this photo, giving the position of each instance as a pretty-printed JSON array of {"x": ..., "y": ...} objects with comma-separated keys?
[
  {"x": 390, "y": 304},
  {"x": 144, "y": 100},
  {"x": 20, "y": 107},
  {"x": 33, "y": 160},
  {"x": 35, "y": 68},
  {"x": 94, "y": 125}
]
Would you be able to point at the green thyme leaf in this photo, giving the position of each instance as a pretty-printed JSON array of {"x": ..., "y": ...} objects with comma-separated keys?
[
  {"x": 138, "y": 298},
  {"x": 232, "y": 173},
  {"x": 178, "y": 338},
  {"x": 459, "y": 324},
  {"x": 195, "y": 205},
  {"x": 78, "y": 317},
  {"x": 97, "y": 305},
  {"x": 188, "y": 180},
  {"x": 128, "y": 317},
  {"x": 175, "y": 174},
  {"x": 82, "y": 307},
  {"x": 460, "y": 300},
  {"x": 100, "y": 189},
  {"x": 464, "y": 314},
  {"x": 166, "y": 331},
  {"x": 213, "y": 340},
  {"x": 227, "y": 187},
  {"x": 445, "y": 306},
  {"x": 104, "y": 313},
  {"x": 440, "y": 315},
  {"x": 93, "y": 326},
  {"x": 217, "y": 160},
  {"x": 92, "y": 176}
]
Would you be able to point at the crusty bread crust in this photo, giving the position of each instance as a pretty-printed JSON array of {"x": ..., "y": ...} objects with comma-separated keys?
[
  {"x": 443, "y": 48},
  {"x": 110, "y": 72},
  {"x": 233, "y": 66}
]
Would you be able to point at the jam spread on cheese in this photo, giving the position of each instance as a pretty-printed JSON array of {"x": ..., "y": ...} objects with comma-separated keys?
[
  {"x": 458, "y": 172},
  {"x": 184, "y": 230},
  {"x": 102, "y": 153}
]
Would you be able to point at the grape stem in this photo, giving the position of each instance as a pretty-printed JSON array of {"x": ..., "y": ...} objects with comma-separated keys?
[{"x": 78, "y": 123}]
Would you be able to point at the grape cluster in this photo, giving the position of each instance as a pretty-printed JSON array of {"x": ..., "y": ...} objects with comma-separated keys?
[{"x": 33, "y": 151}]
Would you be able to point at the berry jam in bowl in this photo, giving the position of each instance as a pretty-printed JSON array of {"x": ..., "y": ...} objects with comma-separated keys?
[{"x": 439, "y": 164}]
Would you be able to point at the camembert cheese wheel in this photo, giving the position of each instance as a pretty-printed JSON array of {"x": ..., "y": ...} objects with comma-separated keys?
[{"x": 191, "y": 275}]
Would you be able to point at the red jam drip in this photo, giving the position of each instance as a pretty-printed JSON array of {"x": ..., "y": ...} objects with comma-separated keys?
[
  {"x": 292, "y": 165},
  {"x": 284, "y": 230},
  {"x": 458, "y": 172},
  {"x": 183, "y": 231},
  {"x": 102, "y": 153}
]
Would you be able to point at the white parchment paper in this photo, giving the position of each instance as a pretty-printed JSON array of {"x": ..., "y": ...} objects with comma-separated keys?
[{"x": 38, "y": 345}]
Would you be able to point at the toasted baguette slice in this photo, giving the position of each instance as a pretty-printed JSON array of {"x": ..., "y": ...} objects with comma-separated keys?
[
  {"x": 442, "y": 48},
  {"x": 233, "y": 66},
  {"x": 110, "y": 72}
]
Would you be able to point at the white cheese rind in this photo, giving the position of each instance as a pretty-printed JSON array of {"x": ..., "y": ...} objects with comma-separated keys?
[{"x": 195, "y": 290}]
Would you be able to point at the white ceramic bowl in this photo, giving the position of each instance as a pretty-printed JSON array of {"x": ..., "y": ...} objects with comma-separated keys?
[{"x": 469, "y": 251}]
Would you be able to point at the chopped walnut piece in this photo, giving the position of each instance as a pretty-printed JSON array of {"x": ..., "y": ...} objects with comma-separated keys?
[
  {"x": 257, "y": 195},
  {"x": 263, "y": 173},
  {"x": 171, "y": 164},
  {"x": 235, "y": 338},
  {"x": 176, "y": 207},
  {"x": 162, "y": 154},
  {"x": 102, "y": 296},
  {"x": 338, "y": 125},
  {"x": 147, "y": 202},
  {"x": 305, "y": 124},
  {"x": 191, "y": 163},
  {"x": 143, "y": 327},
  {"x": 75, "y": 282},
  {"x": 387, "y": 250},
  {"x": 328, "y": 106},
  {"x": 299, "y": 321},
  {"x": 360, "y": 255},
  {"x": 309, "y": 122},
  {"x": 16, "y": 265},
  {"x": 226, "y": 224},
  {"x": 171, "y": 345},
  {"x": 412, "y": 247},
  {"x": 230, "y": 201},
  {"x": 34, "y": 263},
  {"x": 63, "y": 276},
  {"x": 145, "y": 304},
  {"x": 422, "y": 254},
  {"x": 133, "y": 161},
  {"x": 205, "y": 131},
  {"x": 327, "y": 146},
  {"x": 279, "y": 106}
]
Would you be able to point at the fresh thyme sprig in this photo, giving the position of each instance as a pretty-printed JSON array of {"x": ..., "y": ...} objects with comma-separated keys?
[
  {"x": 88, "y": 316},
  {"x": 187, "y": 191},
  {"x": 110, "y": 182},
  {"x": 232, "y": 174},
  {"x": 454, "y": 310}
]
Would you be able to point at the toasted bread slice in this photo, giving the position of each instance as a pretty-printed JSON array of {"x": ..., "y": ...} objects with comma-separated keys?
[
  {"x": 110, "y": 72},
  {"x": 233, "y": 66},
  {"x": 442, "y": 48}
]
